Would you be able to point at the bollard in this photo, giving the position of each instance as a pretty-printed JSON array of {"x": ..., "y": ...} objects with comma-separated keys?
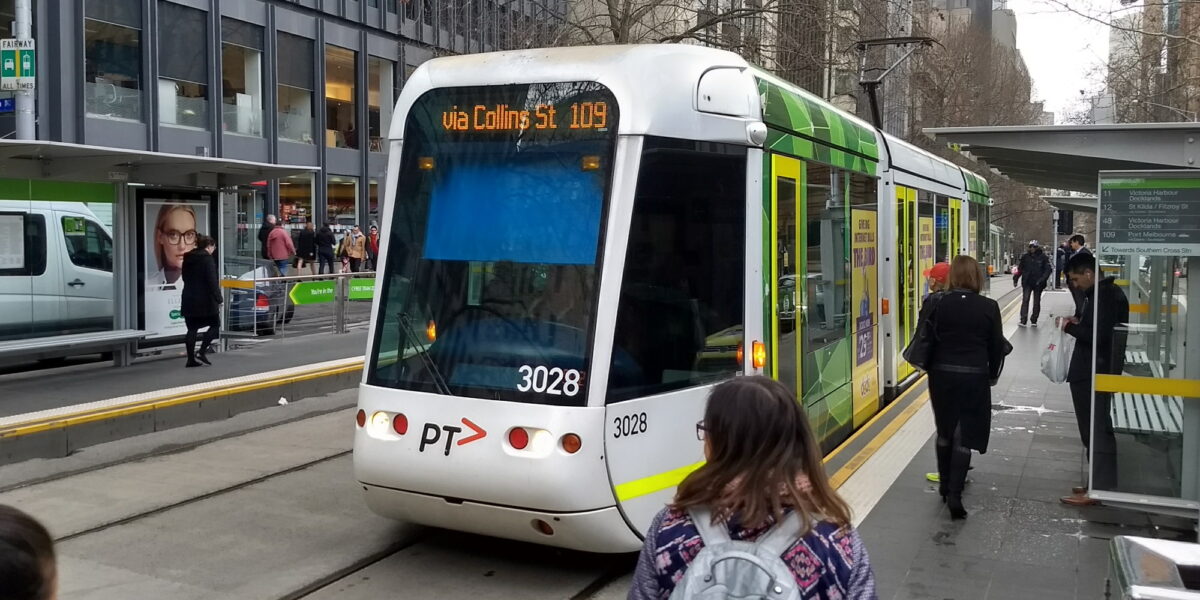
[{"x": 339, "y": 309}]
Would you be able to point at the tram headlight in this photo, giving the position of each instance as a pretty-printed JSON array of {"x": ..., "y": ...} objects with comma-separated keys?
[{"x": 380, "y": 420}]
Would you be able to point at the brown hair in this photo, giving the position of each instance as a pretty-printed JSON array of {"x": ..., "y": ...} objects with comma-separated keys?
[
  {"x": 27, "y": 566},
  {"x": 760, "y": 451},
  {"x": 965, "y": 274}
]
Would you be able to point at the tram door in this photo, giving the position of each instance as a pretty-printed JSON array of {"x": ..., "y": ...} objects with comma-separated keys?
[{"x": 908, "y": 285}]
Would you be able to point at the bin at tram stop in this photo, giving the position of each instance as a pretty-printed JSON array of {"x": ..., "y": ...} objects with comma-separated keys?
[{"x": 1152, "y": 569}]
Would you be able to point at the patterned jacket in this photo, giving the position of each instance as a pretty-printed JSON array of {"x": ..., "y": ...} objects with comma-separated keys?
[{"x": 829, "y": 563}]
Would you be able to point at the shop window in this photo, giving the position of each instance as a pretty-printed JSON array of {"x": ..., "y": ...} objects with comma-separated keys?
[
  {"x": 341, "y": 203},
  {"x": 113, "y": 59},
  {"x": 183, "y": 67},
  {"x": 88, "y": 245},
  {"x": 296, "y": 84},
  {"x": 241, "y": 77},
  {"x": 679, "y": 318},
  {"x": 296, "y": 201},
  {"x": 380, "y": 86},
  {"x": 32, "y": 258},
  {"x": 340, "y": 93}
]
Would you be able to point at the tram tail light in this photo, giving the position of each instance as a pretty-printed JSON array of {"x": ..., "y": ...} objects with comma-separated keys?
[
  {"x": 741, "y": 353},
  {"x": 361, "y": 418},
  {"x": 518, "y": 438},
  {"x": 571, "y": 443},
  {"x": 760, "y": 355},
  {"x": 400, "y": 424}
]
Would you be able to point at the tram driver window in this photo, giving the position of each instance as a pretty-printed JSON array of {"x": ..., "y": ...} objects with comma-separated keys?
[{"x": 679, "y": 320}]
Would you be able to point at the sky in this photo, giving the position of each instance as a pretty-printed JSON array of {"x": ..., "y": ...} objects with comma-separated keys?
[{"x": 1064, "y": 52}]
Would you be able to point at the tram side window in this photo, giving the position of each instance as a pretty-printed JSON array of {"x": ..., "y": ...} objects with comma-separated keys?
[
  {"x": 32, "y": 261},
  {"x": 679, "y": 318}
]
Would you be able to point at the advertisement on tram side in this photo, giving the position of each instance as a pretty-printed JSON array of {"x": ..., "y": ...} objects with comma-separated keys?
[
  {"x": 864, "y": 287},
  {"x": 924, "y": 251},
  {"x": 170, "y": 232}
]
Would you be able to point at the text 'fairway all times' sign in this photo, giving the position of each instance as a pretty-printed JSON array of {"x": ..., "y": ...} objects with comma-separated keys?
[
  {"x": 18, "y": 65},
  {"x": 1149, "y": 213}
]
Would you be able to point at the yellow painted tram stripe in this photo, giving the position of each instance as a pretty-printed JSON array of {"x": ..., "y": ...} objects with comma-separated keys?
[
  {"x": 1129, "y": 384},
  {"x": 654, "y": 483}
]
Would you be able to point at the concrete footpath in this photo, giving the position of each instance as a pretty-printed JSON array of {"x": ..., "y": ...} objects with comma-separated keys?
[{"x": 1018, "y": 541}]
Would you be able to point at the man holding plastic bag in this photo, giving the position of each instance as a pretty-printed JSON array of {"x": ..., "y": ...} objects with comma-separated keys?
[
  {"x": 1056, "y": 357},
  {"x": 1105, "y": 307}
]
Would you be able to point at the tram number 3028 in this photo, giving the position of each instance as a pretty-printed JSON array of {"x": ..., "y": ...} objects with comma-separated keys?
[
  {"x": 544, "y": 380},
  {"x": 629, "y": 425}
]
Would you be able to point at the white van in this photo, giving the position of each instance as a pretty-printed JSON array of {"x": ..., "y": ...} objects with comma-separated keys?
[{"x": 56, "y": 263}]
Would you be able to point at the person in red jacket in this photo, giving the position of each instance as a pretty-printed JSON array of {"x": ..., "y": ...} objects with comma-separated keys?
[
  {"x": 373, "y": 249},
  {"x": 280, "y": 248}
]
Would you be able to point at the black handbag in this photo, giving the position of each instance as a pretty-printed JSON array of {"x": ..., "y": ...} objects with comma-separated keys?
[{"x": 919, "y": 352}]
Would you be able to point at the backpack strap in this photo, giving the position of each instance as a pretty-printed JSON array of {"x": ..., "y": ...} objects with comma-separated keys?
[
  {"x": 781, "y": 536},
  {"x": 710, "y": 534}
]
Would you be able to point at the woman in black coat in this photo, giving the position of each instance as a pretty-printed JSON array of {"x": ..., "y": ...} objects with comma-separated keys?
[
  {"x": 968, "y": 354},
  {"x": 306, "y": 249},
  {"x": 325, "y": 243},
  {"x": 201, "y": 299}
]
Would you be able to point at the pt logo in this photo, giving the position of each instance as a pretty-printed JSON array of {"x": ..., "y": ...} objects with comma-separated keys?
[{"x": 433, "y": 432}]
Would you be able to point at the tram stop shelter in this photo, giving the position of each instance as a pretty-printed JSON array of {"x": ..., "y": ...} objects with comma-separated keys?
[
  {"x": 1144, "y": 186},
  {"x": 91, "y": 241}
]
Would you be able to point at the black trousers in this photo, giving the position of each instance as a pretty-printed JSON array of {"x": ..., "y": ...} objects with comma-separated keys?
[
  {"x": 325, "y": 260},
  {"x": 1096, "y": 432},
  {"x": 1026, "y": 292},
  {"x": 194, "y": 325}
]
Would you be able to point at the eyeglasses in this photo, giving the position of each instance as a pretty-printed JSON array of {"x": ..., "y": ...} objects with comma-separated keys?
[
  {"x": 173, "y": 236},
  {"x": 701, "y": 431}
]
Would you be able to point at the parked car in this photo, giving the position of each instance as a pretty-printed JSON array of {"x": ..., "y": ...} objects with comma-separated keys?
[{"x": 263, "y": 308}]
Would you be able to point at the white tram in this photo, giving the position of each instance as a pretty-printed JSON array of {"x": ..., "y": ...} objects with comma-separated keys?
[{"x": 581, "y": 242}]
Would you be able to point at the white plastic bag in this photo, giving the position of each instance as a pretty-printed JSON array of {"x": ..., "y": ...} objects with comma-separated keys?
[{"x": 1056, "y": 355}]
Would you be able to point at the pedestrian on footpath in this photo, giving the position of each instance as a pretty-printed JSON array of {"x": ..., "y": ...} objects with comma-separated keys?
[
  {"x": 201, "y": 299},
  {"x": 967, "y": 357},
  {"x": 1105, "y": 306},
  {"x": 762, "y": 487},
  {"x": 28, "y": 569},
  {"x": 306, "y": 249},
  {"x": 325, "y": 243},
  {"x": 1061, "y": 255},
  {"x": 938, "y": 276},
  {"x": 356, "y": 249},
  {"x": 280, "y": 248},
  {"x": 264, "y": 232},
  {"x": 373, "y": 249},
  {"x": 1033, "y": 272},
  {"x": 1078, "y": 247}
]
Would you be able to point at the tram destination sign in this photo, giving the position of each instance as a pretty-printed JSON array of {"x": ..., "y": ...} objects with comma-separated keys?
[{"x": 1149, "y": 215}]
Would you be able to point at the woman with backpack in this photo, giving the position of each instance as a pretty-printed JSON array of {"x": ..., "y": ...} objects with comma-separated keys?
[{"x": 762, "y": 493}]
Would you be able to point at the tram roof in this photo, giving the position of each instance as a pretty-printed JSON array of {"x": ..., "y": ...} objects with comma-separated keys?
[{"x": 1070, "y": 157}]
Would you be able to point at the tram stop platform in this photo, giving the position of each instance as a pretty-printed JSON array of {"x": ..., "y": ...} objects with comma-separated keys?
[
  {"x": 1018, "y": 541},
  {"x": 50, "y": 413}
]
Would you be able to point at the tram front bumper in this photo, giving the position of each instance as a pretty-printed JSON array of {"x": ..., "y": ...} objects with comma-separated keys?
[{"x": 603, "y": 530}]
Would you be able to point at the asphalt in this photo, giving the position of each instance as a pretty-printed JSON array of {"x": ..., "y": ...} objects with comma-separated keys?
[
  {"x": 1018, "y": 541},
  {"x": 30, "y": 391}
]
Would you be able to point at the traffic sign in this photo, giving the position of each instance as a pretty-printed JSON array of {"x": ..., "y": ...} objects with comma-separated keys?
[
  {"x": 1151, "y": 215},
  {"x": 312, "y": 292},
  {"x": 7, "y": 105},
  {"x": 18, "y": 64}
]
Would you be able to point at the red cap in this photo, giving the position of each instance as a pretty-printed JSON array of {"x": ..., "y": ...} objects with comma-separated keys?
[{"x": 939, "y": 272}]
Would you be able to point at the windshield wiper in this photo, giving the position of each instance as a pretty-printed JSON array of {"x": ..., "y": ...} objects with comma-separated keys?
[{"x": 423, "y": 351}]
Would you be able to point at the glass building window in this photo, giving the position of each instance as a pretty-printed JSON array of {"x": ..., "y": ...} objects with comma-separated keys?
[
  {"x": 410, "y": 10},
  {"x": 296, "y": 85},
  {"x": 241, "y": 77},
  {"x": 183, "y": 67},
  {"x": 380, "y": 88},
  {"x": 373, "y": 202},
  {"x": 391, "y": 6},
  {"x": 296, "y": 201},
  {"x": 340, "y": 93},
  {"x": 427, "y": 11},
  {"x": 341, "y": 203},
  {"x": 112, "y": 59},
  {"x": 680, "y": 313}
]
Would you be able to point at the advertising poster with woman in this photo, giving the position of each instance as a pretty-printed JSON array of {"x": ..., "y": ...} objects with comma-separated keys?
[
  {"x": 170, "y": 232},
  {"x": 864, "y": 281}
]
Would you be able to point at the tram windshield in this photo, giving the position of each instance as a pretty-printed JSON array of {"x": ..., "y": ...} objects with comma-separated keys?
[{"x": 490, "y": 282}]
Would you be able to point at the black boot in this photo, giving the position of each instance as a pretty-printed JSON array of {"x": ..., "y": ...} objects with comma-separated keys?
[
  {"x": 943, "y": 449},
  {"x": 189, "y": 343},
  {"x": 960, "y": 462}
]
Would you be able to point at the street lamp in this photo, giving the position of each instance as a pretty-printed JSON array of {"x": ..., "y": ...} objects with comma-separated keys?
[{"x": 1187, "y": 114}]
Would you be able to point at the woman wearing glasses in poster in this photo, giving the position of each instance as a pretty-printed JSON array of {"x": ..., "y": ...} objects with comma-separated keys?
[{"x": 174, "y": 236}]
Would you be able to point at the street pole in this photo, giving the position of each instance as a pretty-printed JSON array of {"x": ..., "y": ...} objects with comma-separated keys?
[
  {"x": 25, "y": 105},
  {"x": 1054, "y": 246}
]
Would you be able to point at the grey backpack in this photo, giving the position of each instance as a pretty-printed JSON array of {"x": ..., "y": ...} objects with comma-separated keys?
[{"x": 727, "y": 569}]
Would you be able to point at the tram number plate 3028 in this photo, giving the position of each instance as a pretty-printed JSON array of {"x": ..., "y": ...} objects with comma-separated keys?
[{"x": 629, "y": 425}]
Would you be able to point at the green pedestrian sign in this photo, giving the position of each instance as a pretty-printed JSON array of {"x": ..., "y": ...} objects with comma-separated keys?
[
  {"x": 313, "y": 292},
  {"x": 18, "y": 64}
]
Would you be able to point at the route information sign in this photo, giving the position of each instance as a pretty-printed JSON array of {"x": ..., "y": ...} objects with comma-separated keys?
[{"x": 1149, "y": 214}]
